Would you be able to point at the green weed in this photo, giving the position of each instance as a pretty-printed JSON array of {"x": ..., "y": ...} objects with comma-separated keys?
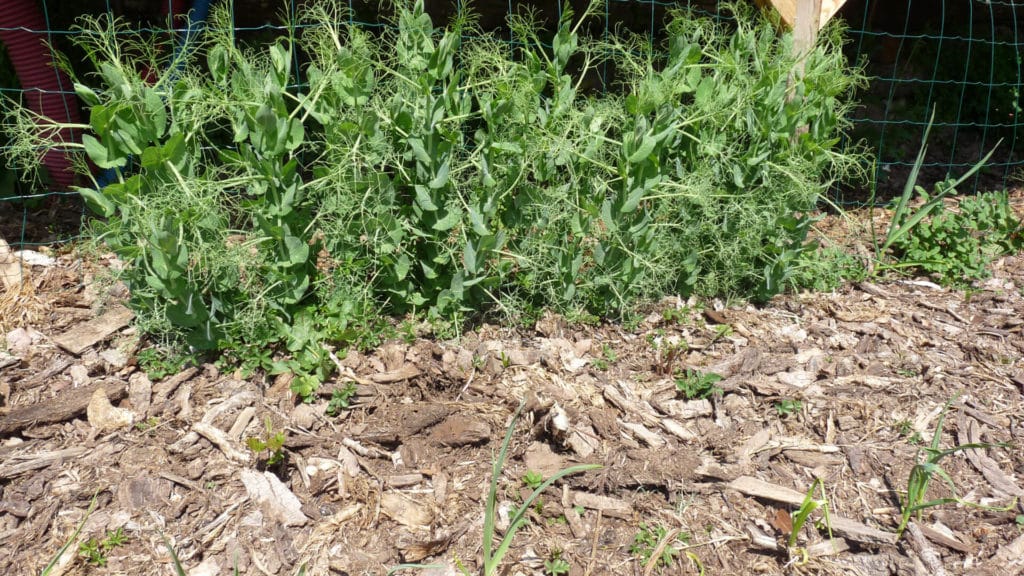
[
  {"x": 647, "y": 540},
  {"x": 95, "y": 550},
  {"x": 159, "y": 363},
  {"x": 556, "y": 565},
  {"x": 954, "y": 246},
  {"x": 924, "y": 470},
  {"x": 270, "y": 442},
  {"x": 532, "y": 479},
  {"x": 74, "y": 536},
  {"x": 340, "y": 399},
  {"x": 786, "y": 406},
  {"x": 608, "y": 357},
  {"x": 694, "y": 385}
]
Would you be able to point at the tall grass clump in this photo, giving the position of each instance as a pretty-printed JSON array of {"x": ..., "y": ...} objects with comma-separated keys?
[{"x": 446, "y": 173}]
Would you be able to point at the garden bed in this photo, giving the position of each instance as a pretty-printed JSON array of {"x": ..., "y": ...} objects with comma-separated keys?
[{"x": 847, "y": 387}]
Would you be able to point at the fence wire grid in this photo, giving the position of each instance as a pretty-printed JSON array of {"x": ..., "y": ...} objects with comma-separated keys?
[{"x": 962, "y": 59}]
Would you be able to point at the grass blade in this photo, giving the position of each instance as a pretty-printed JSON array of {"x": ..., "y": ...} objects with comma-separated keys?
[
  {"x": 490, "y": 508},
  {"x": 53, "y": 562}
]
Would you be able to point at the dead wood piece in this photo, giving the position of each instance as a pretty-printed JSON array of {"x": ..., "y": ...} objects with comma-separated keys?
[
  {"x": 234, "y": 402},
  {"x": 220, "y": 439},
  {"x": 7, "y": 359},
  {"x": 274, "y": 497},
  {"x": 753, "y": 444},
  {"x": 59, "y": 365},
  {"x": 406, "y": 510},
  {"x": 66, "y": 405},
  {"x": 761, "y": 489},
  {"x": 813, "y": 458},
  {"x": 407, "y": 372},
  {"x": 742, "y": 363},
  {"x": 620, "y": 397},
  {"x": 82, "y": 336},
  {"x": 106, "y": 417},
  {"x": 860, "y": 532},
  {"x": 460, "y": 431},
  {"x": 608, "y": 506},
  {"x": 242, "y": 422},
  {"x": 421, "y": 416},
  {"x": 946, "y": 540},
  {"x": 828, "y": 547},
  {"x": 643, "y": 434},
  {"x": 676, "y": 429},
  {"x": 164, "y": 388},
  {"x": 404, "y": 480},
  {"x": 21, "y": 463},
  {"x": 968, "y": 433},
  {"x": 928, "y": 555}
]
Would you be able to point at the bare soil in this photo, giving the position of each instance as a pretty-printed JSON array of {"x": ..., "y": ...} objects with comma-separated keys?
[{"x": 846, "y": 387}]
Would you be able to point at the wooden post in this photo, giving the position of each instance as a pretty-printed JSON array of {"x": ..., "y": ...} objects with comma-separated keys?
[
  {"x": 806, "y": 23},
  {"x": 805, "y": 30},
  {"x": 787, "y": 10}
]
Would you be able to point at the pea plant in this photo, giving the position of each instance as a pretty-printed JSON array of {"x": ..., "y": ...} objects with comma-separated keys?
[{"x": 267, "y": 197}]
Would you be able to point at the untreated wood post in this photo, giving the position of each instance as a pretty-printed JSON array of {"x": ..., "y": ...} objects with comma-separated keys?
[{"x": 806, "y": 23}]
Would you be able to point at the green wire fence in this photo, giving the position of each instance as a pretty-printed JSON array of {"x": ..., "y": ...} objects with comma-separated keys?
[{"x": 962, "y": 59}]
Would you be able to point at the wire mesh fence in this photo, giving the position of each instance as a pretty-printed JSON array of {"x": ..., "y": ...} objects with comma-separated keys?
[{"x": 960, "y": 60}]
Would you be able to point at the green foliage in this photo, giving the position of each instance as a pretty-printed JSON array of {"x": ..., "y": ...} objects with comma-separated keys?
[
  {"x": 95, "y": 550},
  {"x": 492, "y": 556},
  {"x": 647, "y": 540},
  {"x": 800, "y": 517},
  {"x": 958, "y": 245},
  {"x": 340, "y": 399},
  {"x": 787, "y": 406},
  {"x": 439, "y": 172},
  {"x": 608, "y": 356},
  {"x": 953, "y": 245},
  {"x": 922, "y": 472},
  {"x": 532, "y": 479},
  {"x": 271, "y": 442},
  {"x": 694, "y": 385},
  {"x": 161, "y": 362},
  {"x": 826, "y": 269},
  {"x": 556, "y": 565}
]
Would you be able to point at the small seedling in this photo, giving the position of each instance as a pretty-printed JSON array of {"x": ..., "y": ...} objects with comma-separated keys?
[
  {"x": 95, "y": 551},
  {"x": 556, "y": 565},
  {"x": 675, "y": 315},
  {"x": 159, "y": 363},
  {"x": 60, "y": 553},
  {"x": 694, "y": 385},
  {"x": 647, "y": 541},
  {"x": 147, "y": 424},
  {"x": 341, "y": 399},
  {"x": 721, "y": 331},
  {"x": 904, "y": 427},
  {"x": 272, "y": 443},
  {"x": 608, "y": 356},
  {"x": 668, "y": 350},
  {"x": 532, "y": 479},
  {"x": 797, "y": 554},
  {"x": 922, "y": 472},
  {"x": 786, "y": 406}
]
